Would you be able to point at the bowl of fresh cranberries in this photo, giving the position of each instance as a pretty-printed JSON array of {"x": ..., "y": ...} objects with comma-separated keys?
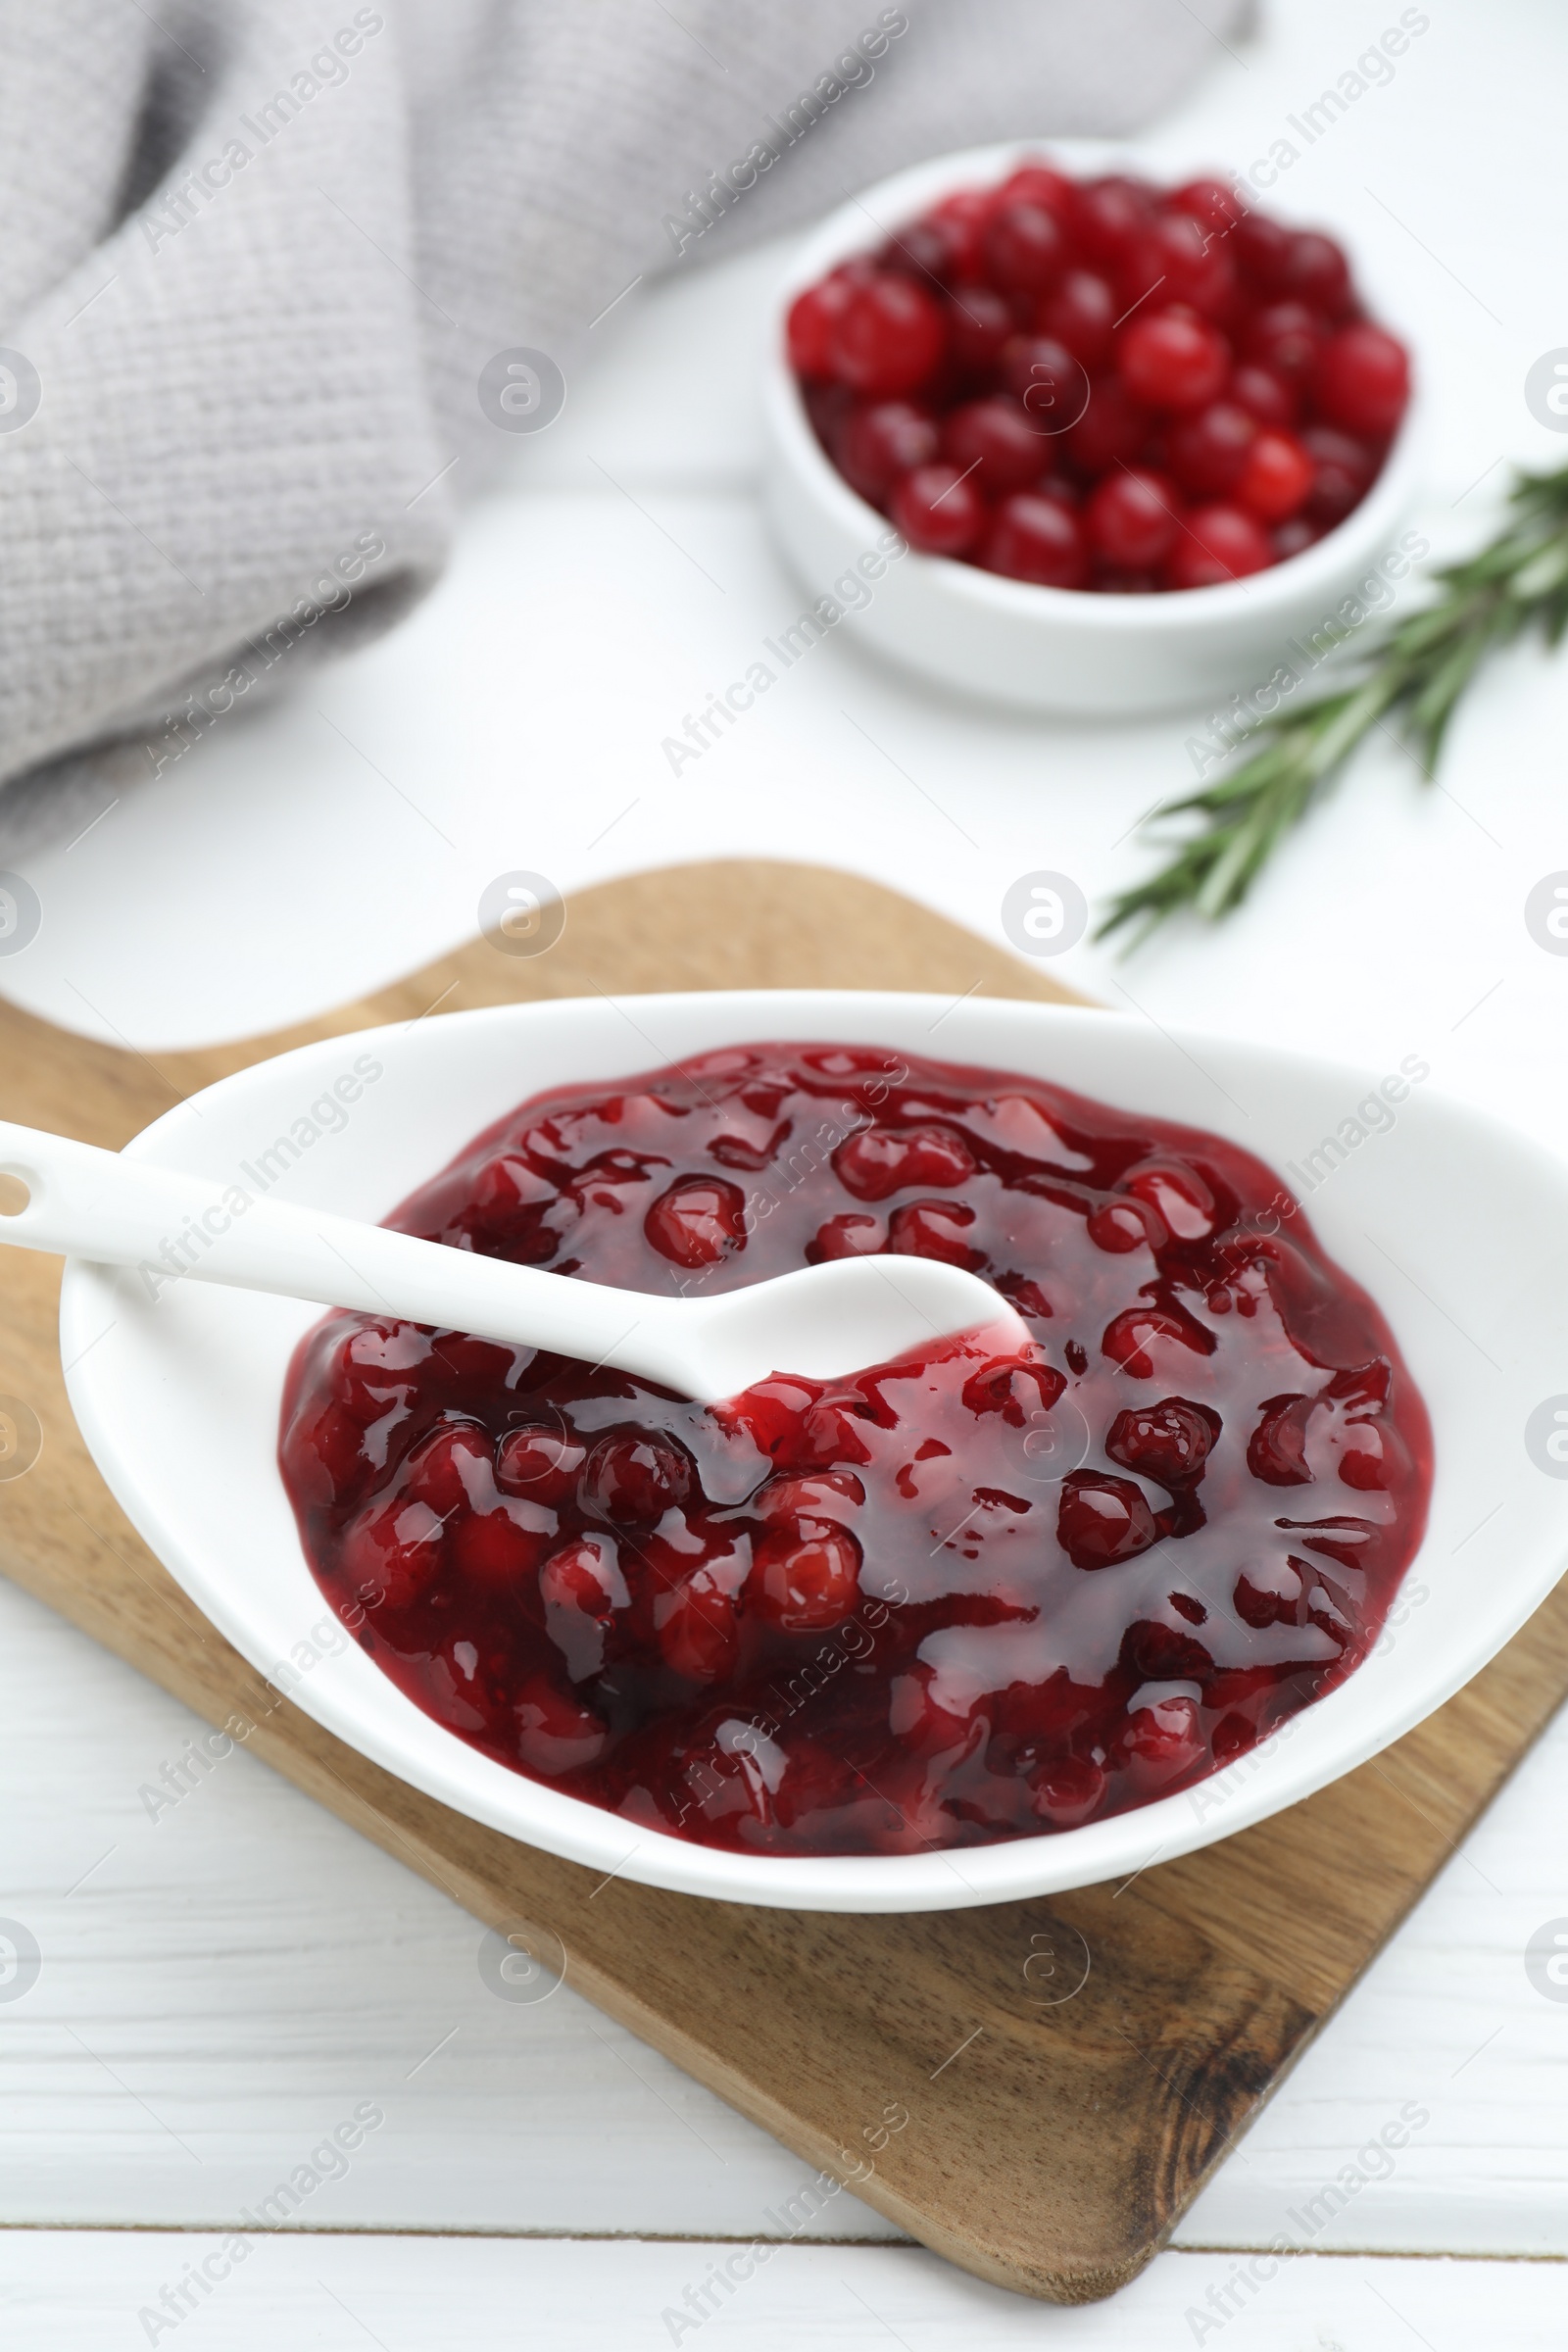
[
  {"x": 966, "y": 1627},
  {"x": 1135, "y": 435}
]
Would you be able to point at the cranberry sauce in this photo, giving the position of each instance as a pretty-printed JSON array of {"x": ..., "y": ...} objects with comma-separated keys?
[{"x": 956, "y": 1599}]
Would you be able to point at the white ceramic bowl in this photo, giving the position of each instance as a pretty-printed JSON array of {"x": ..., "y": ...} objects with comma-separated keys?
[
  {"x": 1446, "y": 1219},
  {"x": 1054, "y": 649}
]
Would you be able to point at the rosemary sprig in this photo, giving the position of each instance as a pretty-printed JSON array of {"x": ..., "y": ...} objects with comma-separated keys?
[{"x": 1418, "y": 671}]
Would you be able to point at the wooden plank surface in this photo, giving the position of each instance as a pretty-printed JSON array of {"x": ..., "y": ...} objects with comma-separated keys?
[
  {"x": 84, "y": 2291},
  {"x": 1048, "y": 2150}
]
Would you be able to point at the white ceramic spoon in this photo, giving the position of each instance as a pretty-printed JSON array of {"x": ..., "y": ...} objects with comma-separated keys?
[{"x": 822, "y": 1322}]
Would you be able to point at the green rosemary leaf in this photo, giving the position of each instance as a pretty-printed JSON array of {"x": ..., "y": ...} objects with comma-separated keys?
[{"x": 1418, "y": 671}]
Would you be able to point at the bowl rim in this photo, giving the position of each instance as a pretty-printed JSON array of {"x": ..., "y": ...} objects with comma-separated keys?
[
  {"x": 1187, "y": 611},
  {"x": 526, "y": 1809}
]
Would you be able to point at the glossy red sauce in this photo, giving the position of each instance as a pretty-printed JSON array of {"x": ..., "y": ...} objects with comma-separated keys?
[{"x": 956, "y": 1599}]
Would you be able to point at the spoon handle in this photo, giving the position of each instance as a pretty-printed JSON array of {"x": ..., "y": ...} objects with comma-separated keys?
[{"x": 172, "y": 1227}]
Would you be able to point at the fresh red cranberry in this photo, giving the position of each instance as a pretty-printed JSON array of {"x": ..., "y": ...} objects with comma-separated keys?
[
  {"x": 939, "y": 513},
  {"x": 634, "y": 1481},
  {"x": 1286, "y": 337},
  {"x": 1219, "y": 544},
  {"x": 828, "y": 406},
  {"x": 1112, "y": 431},
  {"x": 980, "y": 324},
  {"x": 931, "y": 251},
  {"x": 806, "y": 1579},
  {"x": 887, "y": 339},
  {"x": 1217, "y": 205},
  {"x": 877, "y": 1161},
  {"x": 1180, "y": 262},
  {"x": 698, "y": 1221},
  {"x": 1363, "y": 379},
  {"x": 1207, "y": 449},
  {"x": 875, "y": 445},
  {"x": 1050, "y": 385},
  {"x": 1265, "y": 396},
  {"x": 993, "y": 441},
  {"x": 1169, "y": 361},
  {"x": 1036, "y": 183},
  {"x": 1037, "y": 539},
  {"x": 1170, "y": 1440},
  {"x": 1315, "y": 272},
  {"x": 1262, "y": 250},
  {"x": 1343, "y": 473},
  {"x": 1110, "y": 217},
  {"x": 1103, "y": 1520},
  {"x": 1276, "y": 478},
  {"x": 963, "y": 216},
  {"x": 1131, "y": 519},
  {"x": 1029, "y": 360},
  {"x": 813, "y": 317},
  {"x": 1024, "y": 248},
  {"x": 1080, "y": 315}
]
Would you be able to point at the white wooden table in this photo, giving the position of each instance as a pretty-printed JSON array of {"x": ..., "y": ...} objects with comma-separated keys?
[{"x": 225, "y": 1985}]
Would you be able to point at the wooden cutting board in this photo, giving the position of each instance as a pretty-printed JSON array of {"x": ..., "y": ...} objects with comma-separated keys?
[{"x": 1058, "y": 2123}]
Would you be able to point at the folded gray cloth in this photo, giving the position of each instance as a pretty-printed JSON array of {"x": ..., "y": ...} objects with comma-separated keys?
[{"x": 257, "y": 258}]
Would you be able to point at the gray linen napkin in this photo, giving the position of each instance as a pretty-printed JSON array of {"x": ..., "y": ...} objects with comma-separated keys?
[{"x": 256, "y": 258}]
